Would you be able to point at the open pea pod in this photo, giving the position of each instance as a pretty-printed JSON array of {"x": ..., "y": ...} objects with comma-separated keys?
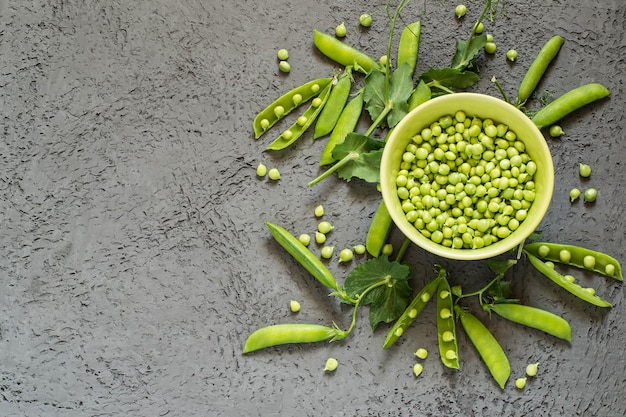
[
  {"x": 286, "y": 103},
  {"x": 577, "y": 256},
  {"x": 414, "y": 308},
  {"x": 563, "y": 282},
  {"x": 446, "y": 325},
  {"x": 296, "y": 130}
]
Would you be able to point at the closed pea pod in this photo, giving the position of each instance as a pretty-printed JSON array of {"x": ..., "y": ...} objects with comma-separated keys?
[
  {"x": 446, "y": 327},
  {"x": 534, "y": 317},
  {"x": 307, "y": 259},
  {"x": 378, "y": 230},
  {"x": 288, "y": 102},
  {"x": 603, "y": 263},
  {"x": 569, "y": 102},
  {"x": 564, "y": 282},
  {"x": 486, "y": 345},
  {"x": 281, "y": 334},
  {"x": 342, "y": 53},
  {"x": 409, "y": 45},
  {"x": 538, "y": 68},
  {"x": 413, "y": 309},
  {"x": 334, "y": 105},
  {"x": 296, "y": 130},
  {"x": 346, "y": 124}
]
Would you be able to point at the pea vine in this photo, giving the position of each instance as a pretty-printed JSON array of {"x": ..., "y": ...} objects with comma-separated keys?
[{"x": 382, "y": 284}]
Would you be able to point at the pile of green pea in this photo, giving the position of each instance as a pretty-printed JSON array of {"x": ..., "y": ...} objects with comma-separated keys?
[{"x": 466, "y": 182}]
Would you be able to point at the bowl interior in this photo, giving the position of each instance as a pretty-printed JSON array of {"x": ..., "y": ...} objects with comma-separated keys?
[{"x": 482, "y": 106}]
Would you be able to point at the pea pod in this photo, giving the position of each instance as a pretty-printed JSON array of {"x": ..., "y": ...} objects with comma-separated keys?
[
  {"x": 378, "y": 230},
  {"x": 296, "y": 130},
  {"x": 446, "y": 326},
  {"x": 287, "y": 102},
  {"x": 538, "y": 68},
  {"x": 347, "y": 122},
  {"x": 305, "y": 257},
  {"x": 281, "y": 334},
  {"x": 334, "y": 105},
  {"x": 534, "y": 317},
  {"x": 564, "y": 283},
  {"x": 342, "y": 53},
  {"x": 569, "y": 102},
  {"x": 486, "y": 345},
  {"x": 414, "y": 308},
  {"x": 577, "y": 256},
  {"x": 409, "y": 45}
]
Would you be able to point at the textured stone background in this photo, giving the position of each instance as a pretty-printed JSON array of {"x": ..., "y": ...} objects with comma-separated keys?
[{"x": 133, "y": 256}]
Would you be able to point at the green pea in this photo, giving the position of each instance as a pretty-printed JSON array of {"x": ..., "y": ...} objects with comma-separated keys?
[
  {"x": 359, "y": 249},
  {"x": 325, "y": 227},
  {"x": 346, "y": 255},
  {"x": 387, "y": 249},
  {"x": 479, "y": 28},
  {"x": 365, "y": 20},
  {"x": 490, "y": 47},
  {"x": 590, "y": 195},
  {"x": 556, "y": 131},
  {"x": 421, "y": 353},
  {"x": 282, "y": 54},
  {"x": 574, "y": 194},
  {"x": 284, "y": 66},
  {"x": 531, "y": 369},
  {"x": 320, "y": 238},
  {"x": 460, "y": 10},
  {"x": 305, "y": 239},
  {"x": 274, "y": 174},
  {"x": 279, "y": 111},
  {"x": 294, "y": 306},
  {"x": 331, "y": 365},
  {"x": 520, "y": 383},
  {"x": 589, "y": 261},
  {"x": 511, "y": 55},
  {"x": 565, "y": 256},
  {"x": 261, "y": 170},
  {"x": 418, "y": 368},
  {"x": 327, "y": 252},
  {"x": 340, "y": 30},
  {"x": 584, "y": 170}
]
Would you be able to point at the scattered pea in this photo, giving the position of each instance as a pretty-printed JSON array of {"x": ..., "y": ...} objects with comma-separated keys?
[
  {"x": 340, "y": 30},
  {"x": 327, "y": 252},
  {"x": 421, "y": 353},
  {"x": 511, "y": 55},
  {"x": 294, "y": 306},
  {"x": 584, "y": 170},
  {"x": 274, "y": 174},
  {"x": 284, "y": 66},
  {"x": 319, "y": 211},
  {"x": 479, "y": 28},
  {"x": 324, "y": 227},
  {"x": 574, "y": 194},
  {"x": 282, "y": 54},
  {"x": 365, "y": 20},
  {"x": 331, "y": 365},
  {"x": 490, "y": 47},
  {"x": 261, "y": 170},
  {"x": 305, "y": 239},
  {"x": 489, "y": 37},
  {"x": 590, "y": 195},
  {"x": 387, "y": 249},
  {"x": 460, "y": 10},
  {"x": 320, "y": 238},
  {"x": 520, "y": 383},
  {"x": 346, "y": 255},
  {"x": 360, "y": 249},
  {"x": 531, "y": 369},
  {"x": 418, "y": 368},
  {"x": 556, "y": 131}
]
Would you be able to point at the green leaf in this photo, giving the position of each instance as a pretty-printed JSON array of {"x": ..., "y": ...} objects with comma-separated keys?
[
  {"x": 384, "y": 284},
  {"x": 374, "y": 93},
  {"x": 450, "y": 77},
  {"x": 500, "y": 266},
  {"x": 362, "y": 154},
  {"x": 465, "y": 54}
]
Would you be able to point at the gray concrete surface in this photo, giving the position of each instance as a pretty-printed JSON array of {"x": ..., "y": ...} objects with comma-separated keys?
[{"x": 133, "y": 256}]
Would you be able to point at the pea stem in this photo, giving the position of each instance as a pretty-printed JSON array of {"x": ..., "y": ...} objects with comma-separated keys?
[
  {"x": 480, "y": 292},
  {"x": 403, "y": 249},
  {"x": 351, "y": 156},
  {"x": 473, "y": 34},
  {"x": 360, "y": 298}
]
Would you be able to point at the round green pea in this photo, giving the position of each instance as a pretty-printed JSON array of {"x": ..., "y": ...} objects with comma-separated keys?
[
  {"x": 327, "y": 252},
  {"x": 387, "y": 249},
  {"x": 531, "y": 369},
  {"x": 359, "y": 249},
  {"x": 589, "y": 262},
  {"x": 490, "y": 47},
  {"x": 282, "y": 54},
  {"x": 261, "y": 170},
  {"x": 590, "y": 195},
  {"x": 565, "y": 255},
  {"x": 584, "y": 170},
  {"x": 331, "y": 365},
  {"x": 305, "y": 239},
  {"x": 511, "y": 55},
  {"x": 460, "y": 10},
  {"x": 574, "y": 194},
  {"x": 418, "y": 368},
  {"x": 520, "y": 383},
  {"x": 421, "y": 353},
  {"x": 365, "y": 20},
  {"x": 284, "y": 66},
  {"x": 319, "y": 211},
  {"x": 346, "y": 255},
  {"x": 340, "y": 30},
  {"x": 274, "y": 174},
  {"x": 556, "y": 131},
  {"x": 479, "y": 28},
  {"x": 294, "y": 306}
]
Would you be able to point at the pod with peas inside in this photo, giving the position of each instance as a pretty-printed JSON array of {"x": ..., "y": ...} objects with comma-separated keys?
[{"x": 479, "y": 176}]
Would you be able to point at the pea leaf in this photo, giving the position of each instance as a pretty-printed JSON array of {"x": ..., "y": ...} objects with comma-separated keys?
[
  {"x": 450, "y": 77},
  {"x": 362, "y": 155},
  {"x": 392, "y": 100},
  {"x": 385, "y": 286},
  {"x": 465, "y": 55}
]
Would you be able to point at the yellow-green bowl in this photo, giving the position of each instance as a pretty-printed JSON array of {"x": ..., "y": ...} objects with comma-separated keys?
[{"x": 482, "y": 106}]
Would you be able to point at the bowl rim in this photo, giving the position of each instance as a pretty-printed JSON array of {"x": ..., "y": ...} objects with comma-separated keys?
[{"x": 388, "y": 188}]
